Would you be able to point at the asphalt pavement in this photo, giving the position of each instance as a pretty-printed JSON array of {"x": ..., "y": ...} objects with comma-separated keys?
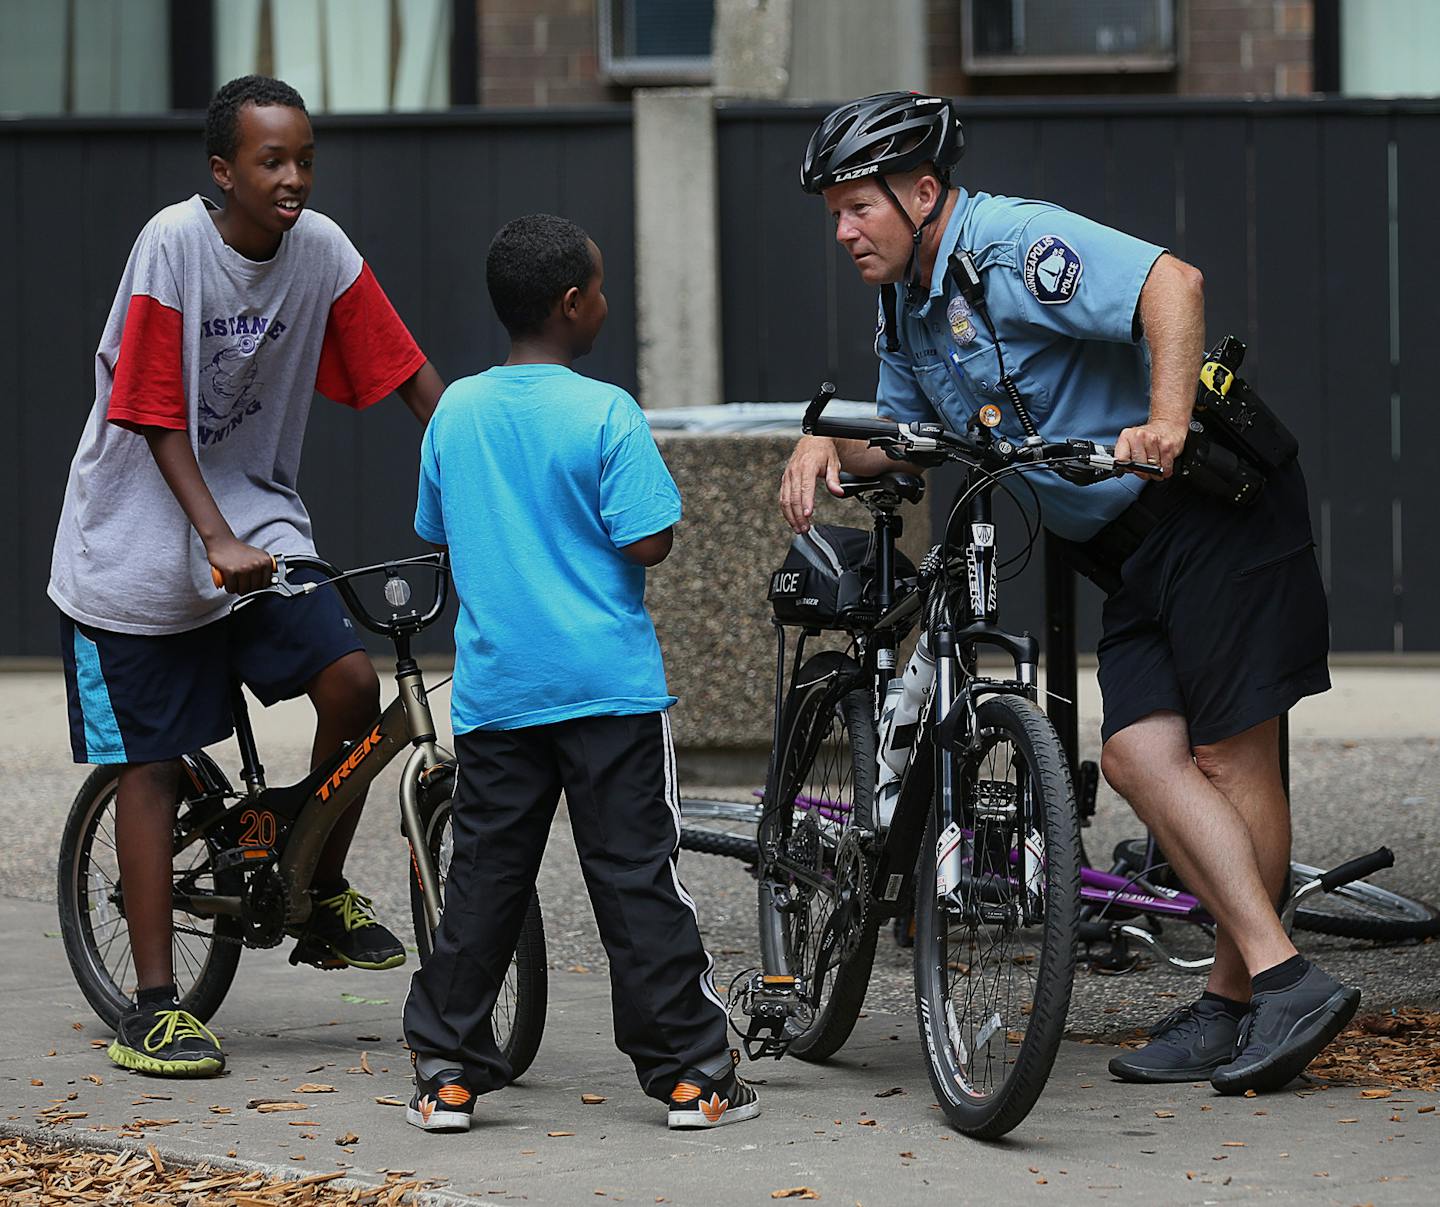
[{"x": 1365, "y": 766}]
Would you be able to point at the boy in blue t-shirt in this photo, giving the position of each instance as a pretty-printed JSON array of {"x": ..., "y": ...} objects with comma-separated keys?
[{"x": 552, "y": 498}]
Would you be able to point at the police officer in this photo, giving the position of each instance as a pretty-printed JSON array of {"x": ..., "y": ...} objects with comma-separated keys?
[{"x": 1218, "y": 623}]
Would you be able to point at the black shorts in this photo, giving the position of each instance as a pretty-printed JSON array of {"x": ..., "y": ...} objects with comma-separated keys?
[
  {"x": 139, "y": 699},
  {"x": 1221, "y": 616}
]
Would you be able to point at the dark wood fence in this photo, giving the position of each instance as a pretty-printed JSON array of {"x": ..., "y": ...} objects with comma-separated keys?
[{"x": 1311, "y": 223}]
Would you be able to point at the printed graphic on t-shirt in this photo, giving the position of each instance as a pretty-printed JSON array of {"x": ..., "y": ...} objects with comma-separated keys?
[{"x": 230, "y": 386}]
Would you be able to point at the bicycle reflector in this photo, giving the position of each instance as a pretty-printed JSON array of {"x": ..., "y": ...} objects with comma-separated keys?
[{"x": 397, "y": 591}]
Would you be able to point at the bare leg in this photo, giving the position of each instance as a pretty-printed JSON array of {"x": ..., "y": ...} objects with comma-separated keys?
[
  {"x": 346, "y": 696},
  {"x": 1245, "y": 769},
  {"x": 1208, "y": 836},
  {"x": 144, "y": 825}
]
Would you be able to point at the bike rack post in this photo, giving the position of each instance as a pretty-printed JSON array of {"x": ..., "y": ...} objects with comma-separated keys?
[{"x": 1061, "y": 677}]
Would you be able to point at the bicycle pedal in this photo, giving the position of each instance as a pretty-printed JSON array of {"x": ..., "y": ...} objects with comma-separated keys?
[{"x": 243, "y": 857}]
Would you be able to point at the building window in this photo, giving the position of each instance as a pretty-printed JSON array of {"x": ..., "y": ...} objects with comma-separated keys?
[
  {"x": 1028, "y": 37},
  {"x": 656, "y": 41},
  {"x": 84, "y": 56},
  {"x": 342, "y": 56}
]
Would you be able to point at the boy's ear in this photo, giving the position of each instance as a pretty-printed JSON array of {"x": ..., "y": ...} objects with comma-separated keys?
[
  {"x": 570, "y": 302},
  {"x": 220, "y": 173}
]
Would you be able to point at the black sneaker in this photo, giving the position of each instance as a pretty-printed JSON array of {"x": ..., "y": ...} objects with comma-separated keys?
[
  {"x": 1188, "y": 1044},
  {"x": 1284, "y": 1031},
  {"x": 168, "y": 1042},
  {"x": 342, "y": 933},
  {"x": 701, "y": 1101},
  {"x": 442, "y": 1103}
]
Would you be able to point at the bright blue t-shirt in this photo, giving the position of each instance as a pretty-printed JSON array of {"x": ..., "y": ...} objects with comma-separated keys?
[
  {"x": 536, "y": 477},
  {"x": 1062, "y": 292}
]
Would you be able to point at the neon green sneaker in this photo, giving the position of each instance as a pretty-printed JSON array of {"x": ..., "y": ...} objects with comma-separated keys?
[
  {"x": 342, "y": 933},
  {"x": 166, "y": 1043}
]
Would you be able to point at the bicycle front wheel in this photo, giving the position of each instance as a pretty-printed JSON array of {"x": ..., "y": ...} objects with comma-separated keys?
[
  {"x": 1363, "y": 911},
  {"x": 519, "y": 1016},
  {"x": 814, "y": 879},
  {"x": 995, "y": 954},
  {"x": 205, "y": 950}
]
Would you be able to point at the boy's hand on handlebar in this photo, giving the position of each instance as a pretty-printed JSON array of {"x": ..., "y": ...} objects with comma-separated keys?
[
  {"x": 238, "y": 567},
  {"x": 1158, "y": 442},
  {"x": 814, "y": 457}
]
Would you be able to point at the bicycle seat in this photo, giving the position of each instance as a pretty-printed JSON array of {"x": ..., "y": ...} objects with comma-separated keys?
[{"x": 908, "y": 487}]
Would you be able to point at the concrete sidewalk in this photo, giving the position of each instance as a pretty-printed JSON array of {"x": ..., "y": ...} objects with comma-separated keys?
[{"x": 825, "y": 1127}]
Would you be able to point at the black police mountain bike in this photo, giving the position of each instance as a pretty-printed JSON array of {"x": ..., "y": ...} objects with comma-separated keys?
[
  {"x": 979, "y": 827},
  {"x": 244, "y": 860}
]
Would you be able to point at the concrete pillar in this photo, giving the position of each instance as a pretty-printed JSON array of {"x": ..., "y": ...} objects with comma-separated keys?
[
  {"x": 752, "y": 48},
  {"x": 846, "y": 48},
  {"x": 677, "y": 271}
]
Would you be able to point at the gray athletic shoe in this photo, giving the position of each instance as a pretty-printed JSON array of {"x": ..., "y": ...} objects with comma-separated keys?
[
  {"x": 1284, "y": 1031},
  {"x": 1188, "y": 1044}
]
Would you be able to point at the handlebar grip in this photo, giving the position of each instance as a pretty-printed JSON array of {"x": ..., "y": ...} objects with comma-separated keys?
[
  {"x": 219, "y": 579},
  {"x": 1357, "y": 869},
  {"x": 854, "y": 429}
]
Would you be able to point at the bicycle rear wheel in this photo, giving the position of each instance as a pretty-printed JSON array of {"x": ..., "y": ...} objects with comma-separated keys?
[
  {"x": 814, "y": 873},
  {"x": 519, "y": 1017},
  {"x": 720, "y": 827},
  {"x": 1363, "y": 911},
  {"x": 205, "y": 950},
  {"x": 995, "y": 958}
]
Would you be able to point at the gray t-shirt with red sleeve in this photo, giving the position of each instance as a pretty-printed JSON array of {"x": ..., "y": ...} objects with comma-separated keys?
[{"x": 230, "y": 350}]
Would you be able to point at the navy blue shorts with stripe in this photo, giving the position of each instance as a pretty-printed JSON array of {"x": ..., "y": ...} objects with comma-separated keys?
[{"x": 145, "y": 699}]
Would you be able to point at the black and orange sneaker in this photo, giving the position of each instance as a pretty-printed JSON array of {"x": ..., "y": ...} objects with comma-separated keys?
[
  {"x": 342, "y": 933},
  {"x": 701, "y": 1100},
  {"x": 442, "y": 1102}
]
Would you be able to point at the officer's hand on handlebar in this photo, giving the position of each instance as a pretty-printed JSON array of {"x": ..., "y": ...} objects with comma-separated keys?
[
  {"x": 239, "y": 567},
  {"x": 1158, "y": 442},
  {"x": 814, "y": 457}
]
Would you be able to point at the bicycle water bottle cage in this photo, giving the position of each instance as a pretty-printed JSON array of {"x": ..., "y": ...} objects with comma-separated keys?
[{"x": 769, "y": 1003}]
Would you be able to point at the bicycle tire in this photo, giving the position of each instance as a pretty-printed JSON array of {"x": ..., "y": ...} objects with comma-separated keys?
[
  {"x": 1363, "y": 911},
  {"x": 826, "y": 752},
  {"x": 719, "y": 827},
  {"x": 87, "y": 893},
  {"x": 1030, "y": 1015},
  {"x": 519, "y": 1016}
]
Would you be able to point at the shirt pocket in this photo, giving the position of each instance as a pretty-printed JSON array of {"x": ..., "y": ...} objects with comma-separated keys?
[{"x": 937, "y": 382}]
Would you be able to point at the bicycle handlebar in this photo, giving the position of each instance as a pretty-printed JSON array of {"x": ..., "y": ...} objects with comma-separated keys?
[
  {"x": 1357, "y": 869},
  {"x": 1074, "y": 457},
  {"x": 399, "y": 625}
]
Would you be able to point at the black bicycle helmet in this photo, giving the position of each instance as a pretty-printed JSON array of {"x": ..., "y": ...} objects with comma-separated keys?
[{"x": 884, "y": 134}]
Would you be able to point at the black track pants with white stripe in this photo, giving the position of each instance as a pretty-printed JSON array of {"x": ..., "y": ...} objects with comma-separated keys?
[{"x": 618, "y": 776}]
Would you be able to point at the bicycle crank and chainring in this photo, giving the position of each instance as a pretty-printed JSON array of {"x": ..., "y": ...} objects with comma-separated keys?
[
  {"x": 852, "y": 892},
  {"x": 264, "y": 905}
]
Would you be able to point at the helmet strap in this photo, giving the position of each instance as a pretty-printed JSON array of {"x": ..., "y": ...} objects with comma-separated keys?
[{"x": 915, "y": 290}]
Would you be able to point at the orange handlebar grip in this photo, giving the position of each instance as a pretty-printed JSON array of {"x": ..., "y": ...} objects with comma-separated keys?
[{"x": 218, "y": 579}]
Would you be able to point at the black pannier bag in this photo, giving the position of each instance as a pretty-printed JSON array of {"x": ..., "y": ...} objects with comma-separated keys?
[{"x": 828, "y": 579}]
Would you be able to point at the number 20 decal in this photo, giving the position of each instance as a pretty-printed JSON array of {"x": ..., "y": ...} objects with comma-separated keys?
[{"x": 259, "y": 828}]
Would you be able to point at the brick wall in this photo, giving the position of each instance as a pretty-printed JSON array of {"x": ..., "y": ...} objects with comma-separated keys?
[
  {"x": 1227, "y": 48},
  {"x": 540, "y": 52}
]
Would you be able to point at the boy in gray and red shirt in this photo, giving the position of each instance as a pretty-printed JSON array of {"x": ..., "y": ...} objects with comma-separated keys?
[{"x": 226, "y": 321}]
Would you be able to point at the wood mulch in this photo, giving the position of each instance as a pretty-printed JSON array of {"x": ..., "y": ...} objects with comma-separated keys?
[
  {"x": 1399, "y": 1049},
  {"x": 41, "y": 1175}
]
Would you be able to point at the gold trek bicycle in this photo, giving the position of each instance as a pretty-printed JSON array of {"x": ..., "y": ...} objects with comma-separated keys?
[{"x": 244, "y": 860}]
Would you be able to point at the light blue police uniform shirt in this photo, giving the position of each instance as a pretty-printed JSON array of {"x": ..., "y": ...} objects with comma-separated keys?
[
  {"x": 1062, "y": 292},
  {"x": 535, "y": 477}
]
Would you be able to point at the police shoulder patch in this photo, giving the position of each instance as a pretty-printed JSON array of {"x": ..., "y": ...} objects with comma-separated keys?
[{"x": 1052, "y": 270}]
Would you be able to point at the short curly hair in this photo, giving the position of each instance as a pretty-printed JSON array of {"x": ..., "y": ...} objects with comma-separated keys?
[
  {"x": 222, "y": 120},
  {"x": 532, "y": 263}
]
